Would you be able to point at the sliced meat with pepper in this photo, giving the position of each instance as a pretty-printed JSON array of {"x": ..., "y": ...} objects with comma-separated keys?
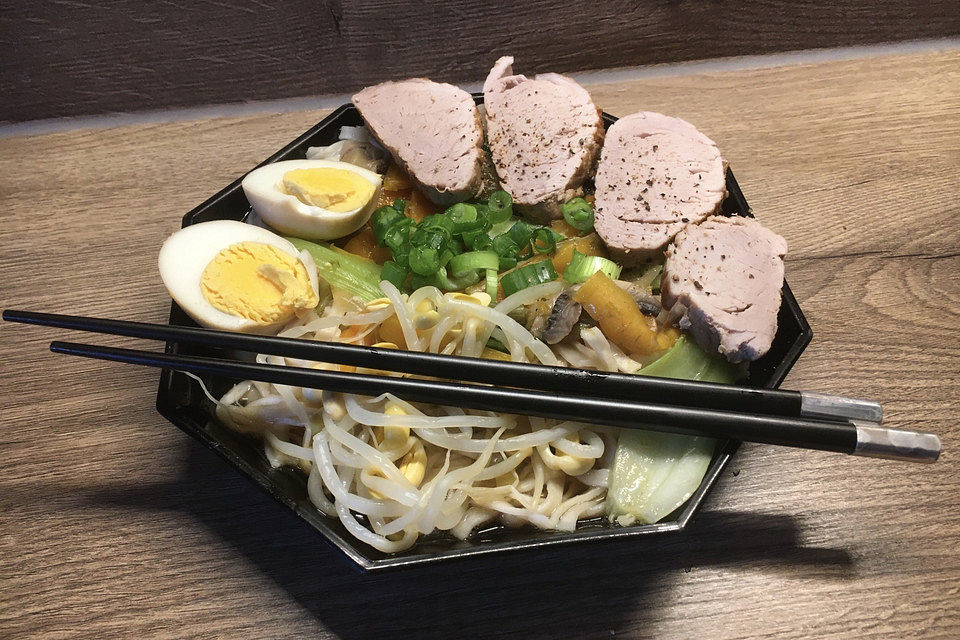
[
  {"x": 656, "y": 174},
  {"x": 723, "y": 278},
  {"x": 432, "y": 130},
  {"x": 544, "y": 134}
]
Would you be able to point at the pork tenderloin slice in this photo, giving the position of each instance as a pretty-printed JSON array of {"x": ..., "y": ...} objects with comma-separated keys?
[
  {"x": 656, "y": 174},
  {"x": 724, "y": 276},
  {"x": 432, "y": 130},
  {"x": 544, "y": 134}
]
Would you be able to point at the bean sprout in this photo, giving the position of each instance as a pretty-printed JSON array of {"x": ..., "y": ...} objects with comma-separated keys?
[{"x": 393, "y": 470}]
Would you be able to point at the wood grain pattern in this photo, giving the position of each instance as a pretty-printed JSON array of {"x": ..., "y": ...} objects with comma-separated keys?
[
  {"x": 75, "y": 58},
  {"x": 113, "y": 524}
]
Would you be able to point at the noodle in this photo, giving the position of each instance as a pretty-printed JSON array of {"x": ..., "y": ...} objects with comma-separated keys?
[{"x": 392, "y": 470}]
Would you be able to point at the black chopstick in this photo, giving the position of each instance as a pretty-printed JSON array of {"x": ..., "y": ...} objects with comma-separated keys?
[
  {"x": 844, "y": 437},
  {"x": 580, "y": 382}
]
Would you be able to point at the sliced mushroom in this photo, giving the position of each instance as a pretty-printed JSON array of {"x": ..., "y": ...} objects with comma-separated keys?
[
  {"x": 648, "y": 303},
  {"x": 554, "y": 322},
  {"x": 671, "y": 317},
  {"x": 361, "y": 154},
  {"x": 564, "y": 314},
  {"x": 364, "y": 155}
]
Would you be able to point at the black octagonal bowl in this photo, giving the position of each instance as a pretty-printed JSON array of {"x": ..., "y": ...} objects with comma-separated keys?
[{"x": 180, "y": 400}]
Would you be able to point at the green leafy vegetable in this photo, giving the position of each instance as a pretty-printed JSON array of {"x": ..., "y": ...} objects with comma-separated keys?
[
  {"x": 687, "y": 361},
  {"x": 493, "y": 343},
  {"x": 654, "y": 473},
  {"x": 359, "y": 276}
]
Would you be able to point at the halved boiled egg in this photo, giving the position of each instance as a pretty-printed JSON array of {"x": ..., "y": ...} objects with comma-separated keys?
[
  {"x": 237, "y": 277},
  {"x": 315, "y": 199}
]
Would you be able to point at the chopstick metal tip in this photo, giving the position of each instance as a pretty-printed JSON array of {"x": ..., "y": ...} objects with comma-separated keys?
[
  {"x": 822, "y": 405},
  {"x": 875, "y": 441}
]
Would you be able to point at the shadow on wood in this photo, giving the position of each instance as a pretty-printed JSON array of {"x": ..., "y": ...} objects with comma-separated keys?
[{"x": 571, "y": 592}]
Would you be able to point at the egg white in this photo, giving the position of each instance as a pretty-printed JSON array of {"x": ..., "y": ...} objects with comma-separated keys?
[
  {"x": 288, "y": 214},
  {"x": 186, "y": 253}
]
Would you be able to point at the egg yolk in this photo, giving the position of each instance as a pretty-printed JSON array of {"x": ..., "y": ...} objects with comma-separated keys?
[
  {"x": 336, "y": 190},
  {"x": 258, "y": 282}
]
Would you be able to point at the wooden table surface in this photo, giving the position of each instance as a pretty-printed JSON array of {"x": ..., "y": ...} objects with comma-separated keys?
[{"x": 114, "y": 524}]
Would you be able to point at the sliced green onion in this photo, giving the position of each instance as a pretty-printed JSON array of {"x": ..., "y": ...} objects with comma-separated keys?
[
  {"x": 394, "y": 273},
  {"x": 397, "y": 235},
  {"x": 459, "y": 283},
  {"x": 440, "y": 280},
  {"x": 477, "y": 240},
  {"x": 438, "y": 222},
  {"x": 424, "y": 260},
  {"x": 447, "y": 254},
  {"x": 492, "y": 284},
  {"x": 528, "y": 276},
  {"x": 500, "y": 206},
  {"x": 578, "y": 213},
  {"x": 402, "y": 257},
  {"x": 492, "y": 239},
  {"x": 417, "y": 281},
  {"x": 432, "y": 237},
  {"x": 502, "y": 227},
  {"x": 382, "y": 220},
  {"x": 522, "y": 232},
  {"x": 473, "y": 261},
  {"x": 582, "y": 267},
  {"x": 505, "y": 247},
  {"x": 544, "y": 240},
  {"x": 463, "y": 217}
]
